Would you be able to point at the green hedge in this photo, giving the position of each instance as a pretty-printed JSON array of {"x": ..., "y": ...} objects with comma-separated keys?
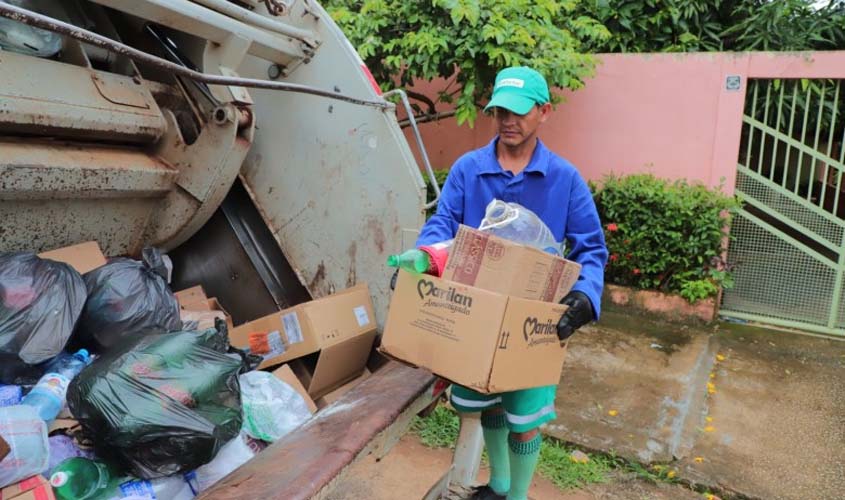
[{"x": 665, "y": 236}]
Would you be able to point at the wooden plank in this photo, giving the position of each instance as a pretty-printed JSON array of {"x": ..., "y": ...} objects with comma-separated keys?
[{"x": 305, "y": 461}]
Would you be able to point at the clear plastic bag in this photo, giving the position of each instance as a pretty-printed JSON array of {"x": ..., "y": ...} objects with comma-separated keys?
[
  {"x": 514, "y": 222},
  {"x": 271, "y": 407},
  {"x": 26, "y": 435}
]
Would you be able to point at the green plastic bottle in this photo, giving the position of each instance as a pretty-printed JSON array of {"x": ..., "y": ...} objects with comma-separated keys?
[
  {"x": 413, "y": 261},
  {"x": 80, "y": 479}
]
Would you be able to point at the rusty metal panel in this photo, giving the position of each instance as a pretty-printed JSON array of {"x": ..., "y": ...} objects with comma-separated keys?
[
  {"x": 336, "y": 182},
  {"x": 43, "y": 97},
  {"x": 34, "y": 169}
]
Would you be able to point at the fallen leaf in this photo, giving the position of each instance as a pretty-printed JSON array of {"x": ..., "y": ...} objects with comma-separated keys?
[
  {"x": 719, "y": 357},
  {"x": 613, "y": 413},
  {"x": 579, "y": 457},
  {"x": 708, "y": 419},
  {"x": 698, "y": 460},
  {"x": 709, "y": 428}
]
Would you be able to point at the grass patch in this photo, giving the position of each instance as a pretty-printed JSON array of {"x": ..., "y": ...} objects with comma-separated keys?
[
  {"x": 440, "y": 430},
  {"x": 557, "y": 466}
]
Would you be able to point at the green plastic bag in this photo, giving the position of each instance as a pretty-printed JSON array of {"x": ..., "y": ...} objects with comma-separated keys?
[{"x": 162, "y": 404}]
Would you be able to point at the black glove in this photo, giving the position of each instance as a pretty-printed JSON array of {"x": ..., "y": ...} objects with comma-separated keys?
[
  {"x": 580, "y": 313},
  {"x": 394, "y": 278}
]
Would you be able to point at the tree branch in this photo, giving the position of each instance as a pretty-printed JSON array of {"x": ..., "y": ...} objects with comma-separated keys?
[
  {"x": 428, "y": 118},
  {"x": 424, "y": 99}
]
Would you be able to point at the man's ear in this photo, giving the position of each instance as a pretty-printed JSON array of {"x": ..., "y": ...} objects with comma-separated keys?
[{"x": 545, "y": 111}]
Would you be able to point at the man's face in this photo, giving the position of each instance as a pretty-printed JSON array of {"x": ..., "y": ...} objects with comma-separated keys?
[{"x": 514, "y": 129}]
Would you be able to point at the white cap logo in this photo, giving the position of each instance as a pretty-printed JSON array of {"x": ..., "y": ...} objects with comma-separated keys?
[{"x": 511, "y": 82}]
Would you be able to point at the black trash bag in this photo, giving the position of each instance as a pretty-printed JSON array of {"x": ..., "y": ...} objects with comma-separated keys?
[
  {"x": 126, "y": 298},
  {"x": 161, "y": 404},
  {"x": 40, "y": 302}
]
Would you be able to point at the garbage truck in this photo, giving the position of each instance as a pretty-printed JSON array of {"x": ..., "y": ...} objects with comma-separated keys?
[{"x": 248, "y": 140}]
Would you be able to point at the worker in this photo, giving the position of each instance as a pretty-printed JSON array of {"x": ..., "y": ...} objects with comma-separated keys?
[{"x": 517, "y": 167}]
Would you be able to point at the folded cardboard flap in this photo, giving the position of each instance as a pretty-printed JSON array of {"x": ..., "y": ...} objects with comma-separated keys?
[
  {"x": 498, "y": 265},
  {"x": 4, "y": 449},
  {"x": 193, "y": 299},
  {"x": 340, "y": 363},
  {"x": 336, "y": 394},
  {"x": 83, "y": 257},
  {"x": 309, "y": 327},
  {"x": 286, "y": 375}
]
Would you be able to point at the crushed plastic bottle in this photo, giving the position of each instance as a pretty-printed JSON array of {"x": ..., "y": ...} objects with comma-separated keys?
[
  {"x": 84, "y": 479},
  {"x": 48, "y": 395},
  {"x": 516, "y": 223}
]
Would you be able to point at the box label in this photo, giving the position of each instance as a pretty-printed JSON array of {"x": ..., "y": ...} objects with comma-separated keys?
[
  {"x": 362, "y": 316},
  {"x": 293, "y": 330},
  {"x": 471, "y": 246},
  {"x": 443, "y": 298},
  {"x": 274, "y": 344},
  {"x": 139, "y": 488}
]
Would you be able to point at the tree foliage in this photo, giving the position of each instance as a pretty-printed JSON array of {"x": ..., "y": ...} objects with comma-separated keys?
[
  {"x": 713, "y": 25},
  {"x": 467, "y": 41}
]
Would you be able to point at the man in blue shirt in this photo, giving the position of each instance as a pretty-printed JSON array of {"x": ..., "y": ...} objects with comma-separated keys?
[{"x": 516, "y": 167}]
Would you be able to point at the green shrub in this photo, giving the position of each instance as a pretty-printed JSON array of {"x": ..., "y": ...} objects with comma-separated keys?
[
  {"x": 440, "y": 175},
  {"x": 665, "y": 236}
]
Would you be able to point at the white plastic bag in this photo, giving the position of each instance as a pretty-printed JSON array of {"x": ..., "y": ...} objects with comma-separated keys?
[
  {"x": 271, "y": 407},
  {"x": 231, "y": 456},
  {"x": 26, "y": 435}
]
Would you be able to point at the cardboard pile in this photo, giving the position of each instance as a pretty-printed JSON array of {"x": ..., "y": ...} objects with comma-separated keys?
[
  {"x": 195, "y": 306},
  {"x": 490, "y": 323}
]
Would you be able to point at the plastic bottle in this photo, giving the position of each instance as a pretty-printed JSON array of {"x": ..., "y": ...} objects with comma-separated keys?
[
  {"x": 83, "y": 479},
  {"x": 48, "y": 395},
  {"x": 26, "y": 435},
  {"x": 516, "y": 223},
  {"x": 80, "y": 479},
  {"x": 413, "y": 261}
]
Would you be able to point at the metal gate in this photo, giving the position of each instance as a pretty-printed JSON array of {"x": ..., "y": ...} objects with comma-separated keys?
[{"x": 789, "y": 237}]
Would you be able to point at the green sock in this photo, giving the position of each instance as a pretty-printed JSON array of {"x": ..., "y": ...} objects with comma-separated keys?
[
  {"x": 495, "y": 429},
  {"x": 523, "y": 460}
]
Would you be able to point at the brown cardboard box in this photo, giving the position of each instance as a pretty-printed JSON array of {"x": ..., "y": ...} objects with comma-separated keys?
[
  {"x": 341, "y": 327},
  {"x": 33, "y": 488},
  {"x": 483, "y": 340},
  {"x": 499, "y": 265},
  {"x": 4, "y": 448},
  {"x": 340, "y": 391},
  {"x": 192, "y": 299},
  {"x": 83, "y": 257},
  {"x": 286, "y": 375}
]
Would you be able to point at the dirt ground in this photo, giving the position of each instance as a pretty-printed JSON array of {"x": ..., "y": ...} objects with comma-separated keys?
[{"x": 410, "y": 469}]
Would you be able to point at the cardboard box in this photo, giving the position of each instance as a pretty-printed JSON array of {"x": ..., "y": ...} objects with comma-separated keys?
[
  {"x": 340, "y": 391},
  {"x": 83, "y": 257},
  {"x": 286, "y": 375},
  {"x": 499, "y": 265},
  {"x": 192, "y": 299},
  {"x": 33, "y": 488},
  {"x": 4, "y": 448},
  {"x": 340, "y": 327},
  {"x": 483, "y": 340}
]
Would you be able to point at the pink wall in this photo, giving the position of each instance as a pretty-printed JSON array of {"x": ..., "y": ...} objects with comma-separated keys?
[{"x": 667, "y": 114}]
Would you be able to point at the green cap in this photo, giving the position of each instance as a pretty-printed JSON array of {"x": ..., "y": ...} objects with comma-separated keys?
[{"x": 518, "y": 89}]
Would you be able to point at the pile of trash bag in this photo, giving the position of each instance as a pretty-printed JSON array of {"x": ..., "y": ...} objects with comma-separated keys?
[
  {"x": 40, "y": 303},
  {"x": 161, "y": 404},
  {"x": 127, "y": 299}
]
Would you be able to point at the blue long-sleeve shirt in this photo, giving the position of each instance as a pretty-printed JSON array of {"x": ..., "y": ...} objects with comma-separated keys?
[{"x": 549, "y": 186}]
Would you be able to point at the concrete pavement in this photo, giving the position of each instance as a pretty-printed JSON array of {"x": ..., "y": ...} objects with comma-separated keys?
[{"x": 746, "y": 410}]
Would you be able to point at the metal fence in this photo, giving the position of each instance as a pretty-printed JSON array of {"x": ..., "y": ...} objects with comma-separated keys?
[{"x": 789, "y": 238}]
